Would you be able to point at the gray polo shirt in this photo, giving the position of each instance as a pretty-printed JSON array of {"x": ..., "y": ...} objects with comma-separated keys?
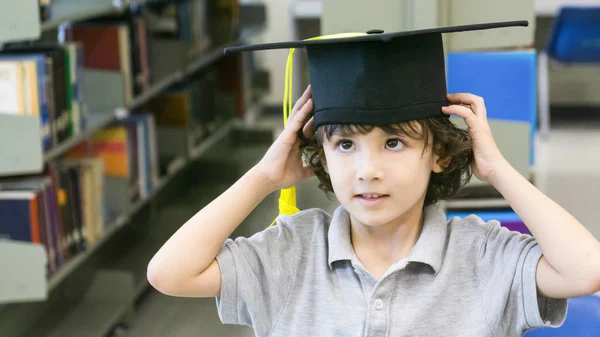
[{"x": 464, "y": 277}]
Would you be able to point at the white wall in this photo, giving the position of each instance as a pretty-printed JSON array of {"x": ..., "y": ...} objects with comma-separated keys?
[{"x": 278, "y": 29}]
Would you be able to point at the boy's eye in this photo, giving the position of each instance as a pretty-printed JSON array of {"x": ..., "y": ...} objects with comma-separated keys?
[
  {"x": 394, "y": 144},
  {"x": 346, "y": 145}
]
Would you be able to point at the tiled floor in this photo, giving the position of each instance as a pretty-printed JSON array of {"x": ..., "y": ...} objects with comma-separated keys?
[{"x": 568, "y": 170}]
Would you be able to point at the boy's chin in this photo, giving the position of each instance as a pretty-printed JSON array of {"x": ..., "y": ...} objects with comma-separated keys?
[{"x": 374, "y": 218}]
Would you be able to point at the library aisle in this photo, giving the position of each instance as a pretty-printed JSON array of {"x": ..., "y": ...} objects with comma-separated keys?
[
  {"x": 160, "y": 315},
  {"x": 568, "y": 174}
]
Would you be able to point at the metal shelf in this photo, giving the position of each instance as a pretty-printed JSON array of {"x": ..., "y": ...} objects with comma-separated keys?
[
  {"x": 211, "y": 140},
  {"x": 72, "y": 264},
  {"x": 116, "y": 8},
  {"x": 157, "y": 88},
  {"x": 97, "y": 121},
  {"x": 108, "y": 301},
  {"x": 81, "y": 16},
  {"x": 192, "y": 68},
  {"x": 22, "y": 145},
  {"x": 96, "y": 316},
  {"x": 113, "y": 227}
]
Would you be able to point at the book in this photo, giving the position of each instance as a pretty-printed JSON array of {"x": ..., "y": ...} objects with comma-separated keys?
[
  {"x": 20, "y": 216},
  {"x": 107, "y": 47},
  {"x": 41, "y": 186},
  {"x": 57, "y": 73}
]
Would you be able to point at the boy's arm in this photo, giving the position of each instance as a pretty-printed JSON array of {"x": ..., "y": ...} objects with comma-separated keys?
[
  {"x": 186, "y": 265},
  {"x": 570, "y": 265}
]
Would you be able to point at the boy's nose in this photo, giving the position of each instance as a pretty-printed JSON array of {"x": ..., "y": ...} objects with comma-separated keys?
[{"x": 368, "y": 169}]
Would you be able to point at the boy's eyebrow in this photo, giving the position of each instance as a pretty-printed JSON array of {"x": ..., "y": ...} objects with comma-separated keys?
[
  {"x": 399, "y": 132},
  {"x": 389, "y": 130},
  {"x": 396, "y": 132},
  {"x": 343, "y": 131}
]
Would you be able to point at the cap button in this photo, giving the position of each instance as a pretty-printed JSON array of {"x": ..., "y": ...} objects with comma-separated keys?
[{"x": 375, "y": 31}]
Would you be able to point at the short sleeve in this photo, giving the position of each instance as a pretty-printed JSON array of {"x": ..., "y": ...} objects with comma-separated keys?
[
  {"x": 507, "y": 268},
  {"x": 256, "y": 276}
]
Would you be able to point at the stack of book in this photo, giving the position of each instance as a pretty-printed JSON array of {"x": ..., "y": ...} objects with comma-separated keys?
[
  {"x": 44, "y": 81},
  {"x": 68, "y": 207},
  {"x": 61, "y": 209}
]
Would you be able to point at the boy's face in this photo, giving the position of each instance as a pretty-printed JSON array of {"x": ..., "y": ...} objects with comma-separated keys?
[{"x": 379, "y": 178}]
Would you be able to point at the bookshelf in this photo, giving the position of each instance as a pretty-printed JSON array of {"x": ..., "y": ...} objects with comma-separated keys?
[
  {"x": 20, "y": 284},
  {"x": 116, "y": 224},
  {"x": 99, "y": 120},
  {"x": 109, "y": 300},
  {"x": 193, "y": 67},
  {"x": 80, "y": 292}
]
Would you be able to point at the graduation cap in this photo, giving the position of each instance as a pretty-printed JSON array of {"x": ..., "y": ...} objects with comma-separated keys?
[{"x": 373, "y": 78}]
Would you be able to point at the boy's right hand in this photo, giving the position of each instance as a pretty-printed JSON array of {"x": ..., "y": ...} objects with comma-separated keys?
[{"x": 282, "y": 166}]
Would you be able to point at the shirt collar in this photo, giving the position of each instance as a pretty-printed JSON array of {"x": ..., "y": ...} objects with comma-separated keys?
[
  {"x": 340, "y": 247},
  {"x": 429, "y": 248}
]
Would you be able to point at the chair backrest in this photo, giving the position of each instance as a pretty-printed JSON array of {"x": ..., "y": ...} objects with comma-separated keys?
[
  {"x": 583, "y": 320},
  {"x": 507, "y": 80},
  {"x": 575, "y": 35}
]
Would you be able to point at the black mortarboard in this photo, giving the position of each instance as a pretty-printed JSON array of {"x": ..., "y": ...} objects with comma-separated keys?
[{"x": 377, "y": 78}]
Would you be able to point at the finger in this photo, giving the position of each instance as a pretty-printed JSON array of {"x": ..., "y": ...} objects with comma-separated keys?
[
  {"x": 475, "y": 102},
  {"x": 301, "y": 101},
  {"x": 309, "y": 128},
  {"x": 462, "y": 112},
  {"x": 301, "y": 117}
]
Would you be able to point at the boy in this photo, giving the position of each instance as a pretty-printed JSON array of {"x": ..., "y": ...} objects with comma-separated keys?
[{"x": 374, "y": 125}]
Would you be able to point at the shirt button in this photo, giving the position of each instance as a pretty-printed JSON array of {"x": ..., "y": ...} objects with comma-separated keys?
[{"x": 378, "y": 304}]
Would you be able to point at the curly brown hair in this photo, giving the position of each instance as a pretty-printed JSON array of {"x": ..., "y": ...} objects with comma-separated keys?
[{"x": 448, "y": 141}]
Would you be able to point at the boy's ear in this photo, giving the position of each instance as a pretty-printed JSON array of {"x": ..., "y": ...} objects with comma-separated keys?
[{"x": 441, "y": 164}]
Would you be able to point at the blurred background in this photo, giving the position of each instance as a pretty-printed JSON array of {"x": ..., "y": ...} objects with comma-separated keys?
[{"x": 119, "y": 119}]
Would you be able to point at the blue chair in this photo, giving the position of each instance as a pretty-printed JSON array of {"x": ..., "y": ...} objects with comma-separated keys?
[
  {"x": 574, "y": 39},
  {"x": 583, "y": 320},
  {"x": 506, "y": 79}
]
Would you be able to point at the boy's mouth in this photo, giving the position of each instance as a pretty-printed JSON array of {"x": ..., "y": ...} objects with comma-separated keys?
[
  {"x": 371, "y": 195},
  {"x": 371, "y": 199}
]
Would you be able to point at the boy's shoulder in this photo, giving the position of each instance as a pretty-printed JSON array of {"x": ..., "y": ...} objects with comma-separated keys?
[
  {"x": 304, "y": 227},
  {"x": 473, "y": 231},
  {"x": 472, "y": 224},
  {"x": 308, "y": 219}
]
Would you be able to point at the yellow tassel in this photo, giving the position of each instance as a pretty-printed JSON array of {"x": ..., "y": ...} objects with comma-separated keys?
[{"x": 287, "y": 196}]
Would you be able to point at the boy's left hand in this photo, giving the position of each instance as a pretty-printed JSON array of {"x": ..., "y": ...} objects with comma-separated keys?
[{"x": 488, "y": 158}]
